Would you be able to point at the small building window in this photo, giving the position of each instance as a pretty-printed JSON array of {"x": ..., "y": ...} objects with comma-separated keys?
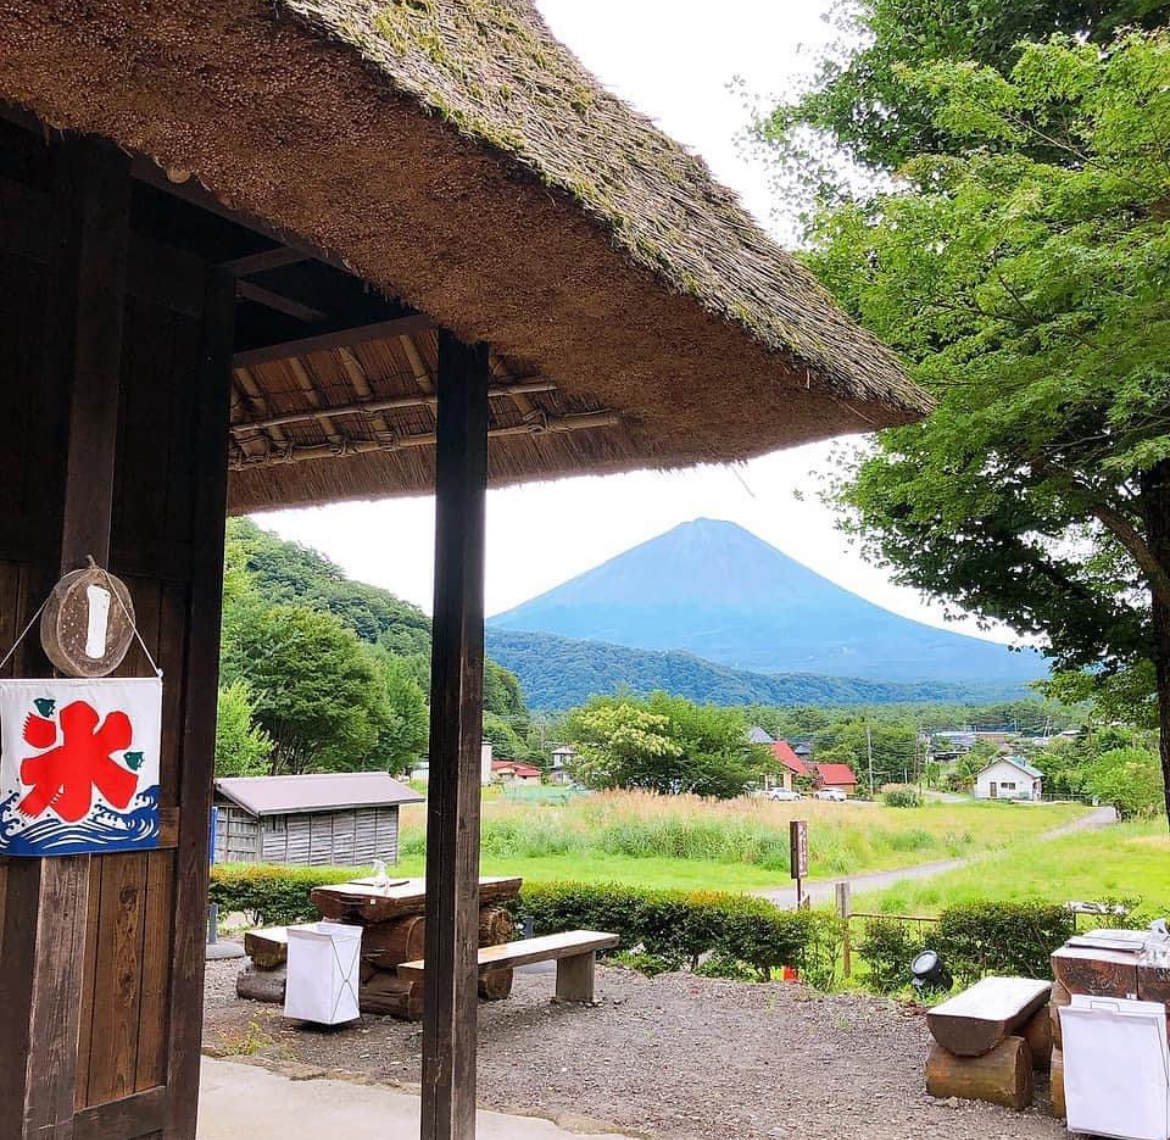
[
  {"x": 275, "y": 823},
  {"x": 1009, "y": 787}
]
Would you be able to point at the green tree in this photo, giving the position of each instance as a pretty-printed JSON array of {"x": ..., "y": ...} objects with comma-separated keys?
[
  {"x": 402, "y": 720},
  {"x": 315, "y": 688},
  {"x": 1030, "y": 299},
  {"x": 863, "y": 103},
  {"x": 1128, "y": 778},
  {"x": 663, "y": 743},
  {"x": 242, "y": 747}
]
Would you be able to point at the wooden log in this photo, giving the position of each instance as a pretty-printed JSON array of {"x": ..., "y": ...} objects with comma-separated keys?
[
  {"x": 1056, "y": 1084},
  {"x": 1153, "y": 983},
  {"x": 1003, "y": 1076},
  {"x": 1037, "y": 1032},
  {"x": 1060, "y": 997},
  {"x": 262, "y": 985},
  {"x": 977, "y": 1020},
  {"x": 267, "y": 948},
  {"x": 386, "y": 994},
  {"x": 367, "y": 905},
  {"x": 495, "y": 928},
  {"x": 389, "y": 943},
  {"x": 495, "y": 985},
  {"x": 1102, "y": 973}
]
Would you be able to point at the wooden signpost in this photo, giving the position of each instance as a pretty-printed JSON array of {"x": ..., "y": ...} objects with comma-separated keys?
[{"x": 798, "y": 857}]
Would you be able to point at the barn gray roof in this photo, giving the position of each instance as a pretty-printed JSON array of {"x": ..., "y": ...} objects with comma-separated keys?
[{"x": 326, "y": 791}]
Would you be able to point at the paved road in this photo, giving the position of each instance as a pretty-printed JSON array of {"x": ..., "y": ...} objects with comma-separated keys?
[{"x": 822, "y": 890}]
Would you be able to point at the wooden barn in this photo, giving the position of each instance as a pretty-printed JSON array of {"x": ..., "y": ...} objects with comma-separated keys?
[
  {"x": 260, "y": 254},
  {"x": 327, "y": 819}
]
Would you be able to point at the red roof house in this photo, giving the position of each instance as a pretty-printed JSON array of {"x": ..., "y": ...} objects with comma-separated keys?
[
  {"x": 836, "y": 776},
  {"x": 513, "y": 772},
  {"x": 790, "y": 764}
]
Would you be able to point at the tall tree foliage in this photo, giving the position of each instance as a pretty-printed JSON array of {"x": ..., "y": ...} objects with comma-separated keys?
[
  {"x": 1029, "y": 296},
  {"x": 860, "y": 103}
]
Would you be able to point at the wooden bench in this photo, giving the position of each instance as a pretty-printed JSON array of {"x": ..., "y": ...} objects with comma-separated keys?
[
  {"x": 978, "y": 1019},
  {"x": 574, "y": 951}
]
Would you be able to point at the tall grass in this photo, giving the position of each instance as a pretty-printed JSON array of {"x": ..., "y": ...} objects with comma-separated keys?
[{"x": 842, "y": 837}]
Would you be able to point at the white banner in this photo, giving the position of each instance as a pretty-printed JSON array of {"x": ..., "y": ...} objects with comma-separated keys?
[{"x": 79, "y": 765}]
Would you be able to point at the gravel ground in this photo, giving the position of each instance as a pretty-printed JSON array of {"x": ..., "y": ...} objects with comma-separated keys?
[{"x": 671, "y": 1058}]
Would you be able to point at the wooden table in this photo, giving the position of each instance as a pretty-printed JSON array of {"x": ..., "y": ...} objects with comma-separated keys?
[{"x": 394, "y": 922}]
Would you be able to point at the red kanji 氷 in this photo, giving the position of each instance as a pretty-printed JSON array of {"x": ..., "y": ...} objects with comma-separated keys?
[{"x": 64, "y": 778}]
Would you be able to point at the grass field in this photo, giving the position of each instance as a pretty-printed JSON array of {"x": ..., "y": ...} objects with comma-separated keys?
[
  {"x": 1130, "y": 861},
  {"x": 682, "y": 841}
]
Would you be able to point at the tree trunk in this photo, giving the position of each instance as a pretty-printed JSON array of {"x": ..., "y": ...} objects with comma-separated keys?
[{"x": 1155, "y": 489}]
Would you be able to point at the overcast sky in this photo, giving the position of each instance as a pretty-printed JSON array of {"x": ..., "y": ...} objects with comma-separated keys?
[{"x": 674, "y": 60}]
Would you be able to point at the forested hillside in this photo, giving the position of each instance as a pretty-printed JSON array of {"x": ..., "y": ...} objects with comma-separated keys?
[
  {"x": 560, "y": 672},
  {"x": 322, "y": 673}
]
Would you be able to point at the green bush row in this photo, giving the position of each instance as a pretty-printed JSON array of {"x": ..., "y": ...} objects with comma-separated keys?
[
  {"x": 681, "y": 928},
  {"x": 273, "y": 895},
  {"x": 973, "y": 940}
]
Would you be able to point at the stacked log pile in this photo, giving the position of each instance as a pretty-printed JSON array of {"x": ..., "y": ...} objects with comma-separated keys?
[
  {"x": 393, "y": 931},
  {"x": 988, "y": 1039}
]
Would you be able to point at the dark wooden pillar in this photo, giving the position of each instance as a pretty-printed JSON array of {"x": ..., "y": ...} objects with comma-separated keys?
[
  {"x": 449, "y": 1001},
  {"x": 46, "y": 900}
]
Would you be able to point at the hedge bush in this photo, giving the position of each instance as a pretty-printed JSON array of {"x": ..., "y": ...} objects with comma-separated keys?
[
  {"x": 275, "y": 895},
  {"x": 901, "y": 796},
  {"x": 681, "y": 928},
  {"x": 1014, "y": 938},
  {"x": 974, "y": 940}
]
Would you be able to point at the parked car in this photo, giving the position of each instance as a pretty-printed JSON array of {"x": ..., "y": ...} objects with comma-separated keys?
[
  {"x": 783, "y": 795},
  {"x": 834, "y": 794}
]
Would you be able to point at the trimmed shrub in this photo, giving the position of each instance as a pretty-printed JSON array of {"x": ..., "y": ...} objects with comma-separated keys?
[
  {"x": 1017, "y": 938},
  {"x": 274, "y": 894},
  {"x": 681, "y": 928},
  {"x": 901, "y": 796},
  {"x": 888, "y": 947}
]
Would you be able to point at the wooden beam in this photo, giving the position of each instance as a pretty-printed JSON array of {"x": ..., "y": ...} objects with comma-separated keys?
[
  {"x": 339, "y": 338},
  {"x": 389, "y": 403},
  {"x": 279, "y": 303},
  {"x": 201, "y": 673},
  {"x": 276, "y": 258},
  {"x": 451, "y": 985},
  {"x": 301, "y": 453},
  {"x": 46, "y": 906}
]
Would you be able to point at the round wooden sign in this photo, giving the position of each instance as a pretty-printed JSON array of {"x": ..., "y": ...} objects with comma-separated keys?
[{"x": 88, "y": 623}]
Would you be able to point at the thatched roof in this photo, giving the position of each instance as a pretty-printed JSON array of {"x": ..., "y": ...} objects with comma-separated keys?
[{"x": 458, "y": 157}]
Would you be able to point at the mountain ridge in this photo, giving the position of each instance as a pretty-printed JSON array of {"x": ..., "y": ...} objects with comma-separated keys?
[
  {"x": 715, "y": 590},
  {"x": 557, "y": 673}
]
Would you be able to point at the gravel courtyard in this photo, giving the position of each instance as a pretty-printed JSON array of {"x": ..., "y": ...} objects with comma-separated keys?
[{"x": 670, "y": 1058}]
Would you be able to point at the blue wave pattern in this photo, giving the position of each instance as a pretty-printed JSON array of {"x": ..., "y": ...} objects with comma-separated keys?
[{"x": 135, "y": 829}]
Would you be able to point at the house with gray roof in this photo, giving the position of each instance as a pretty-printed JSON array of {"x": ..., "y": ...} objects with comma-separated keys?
[{"x": 1009, "y": 778}]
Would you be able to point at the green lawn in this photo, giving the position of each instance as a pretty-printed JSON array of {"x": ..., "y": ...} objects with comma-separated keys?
[
  {"x": 653, "y": 872},
  {"x": 740, "y": 845},
  {"x": 1125, "y": 861}
]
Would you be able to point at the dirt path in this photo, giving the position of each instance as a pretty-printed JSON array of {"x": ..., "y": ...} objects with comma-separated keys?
[
  {"x": 677, "y": 1057},
  {"x": 821, "y": 890}
]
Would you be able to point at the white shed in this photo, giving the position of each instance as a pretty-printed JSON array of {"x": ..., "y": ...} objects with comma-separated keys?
[{"x": 1009, "y": 778}]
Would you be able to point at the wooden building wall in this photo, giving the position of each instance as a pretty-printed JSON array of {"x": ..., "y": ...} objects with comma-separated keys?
[
  {"x": 354, "y": 837},
  {"x": 141, "y": 962}
]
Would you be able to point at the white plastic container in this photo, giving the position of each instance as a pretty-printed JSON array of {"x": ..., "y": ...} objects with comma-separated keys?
[
  {"x": 323, "y": 974},
  {"x": 1116, "y": 1067}
]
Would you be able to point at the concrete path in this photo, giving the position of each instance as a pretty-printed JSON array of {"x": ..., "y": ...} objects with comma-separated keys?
[
  {"x": 246, "y": 1102},
  {"x": 822, "y": 890}
]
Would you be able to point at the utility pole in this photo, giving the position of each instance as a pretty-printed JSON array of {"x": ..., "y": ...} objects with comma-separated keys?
[{"x": 869, "y": 753}]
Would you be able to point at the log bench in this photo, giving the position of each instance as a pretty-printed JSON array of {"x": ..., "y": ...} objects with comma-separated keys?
[
  {"x": 574, "y": 951},
  {"x": 988, "y": 1039},
  {"x": 977, "y": 1020}
]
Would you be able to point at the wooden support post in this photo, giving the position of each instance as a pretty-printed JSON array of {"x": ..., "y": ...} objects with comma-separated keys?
[
  {"x": 575, "y": 977},
  {"x": 451, "y": 982},
  {"x": 213, "y": 410},
  {"x": 844, "y": 908},
  {"x": 47, "y": 899}
]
